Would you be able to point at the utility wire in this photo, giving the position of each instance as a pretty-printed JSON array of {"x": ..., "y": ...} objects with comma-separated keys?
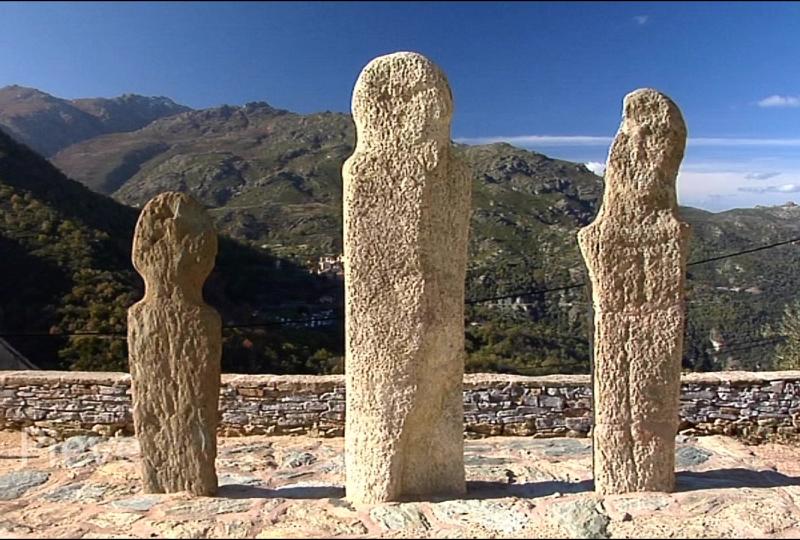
[
  {"x": 468, "y": 302},
  {"x": 62, "y": 334},
  {"x": 747, "y": 346},
  {"x": 744, "y": 252},
  {"x": 723, "y": 352},
  {"x": 523, "y": 293},
  {"x": 122, "y": 334},
  {"x": 583, "y": 283},
  {"x": 279, "y": 323}
]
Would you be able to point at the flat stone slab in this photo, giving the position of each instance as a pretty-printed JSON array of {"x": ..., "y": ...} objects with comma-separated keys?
[
  {"x": 518, "y": 487},
  {"x": 14, "y": 484},
  {"x": 75, "y": 445},
  {"x": 141, "y": 503},
  {"x": 76, "y": 492},
  {"x": 686, "y": 456},
  {"x": 400, "y": 517}
]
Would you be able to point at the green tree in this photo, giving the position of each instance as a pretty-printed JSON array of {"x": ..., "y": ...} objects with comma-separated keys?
[{"x": 787, "y": 354}]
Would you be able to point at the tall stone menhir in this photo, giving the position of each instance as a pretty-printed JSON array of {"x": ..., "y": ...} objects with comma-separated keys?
[
  {"x": 406, "y": 220},
  {"x": 175, "y": 347},
  {"x": 636, "y": 252}
]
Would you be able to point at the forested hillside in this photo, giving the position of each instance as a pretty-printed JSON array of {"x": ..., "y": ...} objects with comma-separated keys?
[{"x": 271, "y": 180}]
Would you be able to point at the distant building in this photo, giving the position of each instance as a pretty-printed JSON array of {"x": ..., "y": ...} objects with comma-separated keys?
[
  {"x": 332, "y": 266},
  {"x": 13, "y": 360},
  {"x": 716, "y": 339}
]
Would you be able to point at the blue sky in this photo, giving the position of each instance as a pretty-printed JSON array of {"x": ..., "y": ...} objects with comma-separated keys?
[{"x": 546, "y": 76}]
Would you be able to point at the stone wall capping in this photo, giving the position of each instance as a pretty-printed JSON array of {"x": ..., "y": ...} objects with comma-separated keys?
[
  {"x": 737, "y": 378},
  {"x": 52, "y": 378},
  {"x": 762, "y": 404},
  {"x": 284, "y": 382},
  {"x": 477, "y": 380},
  {"x": 55, "y": 379}
]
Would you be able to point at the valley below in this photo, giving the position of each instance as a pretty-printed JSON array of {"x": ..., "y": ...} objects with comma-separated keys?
[{"x": 271, "y": 180}]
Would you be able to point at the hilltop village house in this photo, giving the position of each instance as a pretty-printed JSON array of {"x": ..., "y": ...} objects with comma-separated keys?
[{"x": 330, "y": 265}]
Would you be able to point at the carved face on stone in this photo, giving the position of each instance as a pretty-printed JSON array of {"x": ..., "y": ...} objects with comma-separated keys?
[
  {"x": 174, "y": 245},
  {"x": 402, "y": 99},
  {"x": 647, "y": 151}
]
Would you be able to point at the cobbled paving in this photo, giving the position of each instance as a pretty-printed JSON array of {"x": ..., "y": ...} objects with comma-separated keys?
[{"x": 293, "y": 487}]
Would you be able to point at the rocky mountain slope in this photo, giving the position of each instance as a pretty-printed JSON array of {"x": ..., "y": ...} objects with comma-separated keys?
[
  {"x": 66, "y": 270},
  {"x": 271, "y": 179},
  {"x": 47, "y": 123}
]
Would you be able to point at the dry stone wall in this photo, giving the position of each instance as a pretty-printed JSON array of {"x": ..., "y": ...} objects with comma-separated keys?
[{"x": 60, "y": 404}]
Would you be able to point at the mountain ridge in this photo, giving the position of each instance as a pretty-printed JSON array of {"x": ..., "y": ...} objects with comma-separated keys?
[
  {"x": 272, "y": 179},
  {"x": 48, "y": 124},
  {"x": 68, "y": 275}
]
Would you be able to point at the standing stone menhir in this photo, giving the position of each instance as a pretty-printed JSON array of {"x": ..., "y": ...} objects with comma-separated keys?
[
  {"x": 175, "y": 347},
  {"x": 406, "y": 220},
  {"x": 636, "y": 253}
]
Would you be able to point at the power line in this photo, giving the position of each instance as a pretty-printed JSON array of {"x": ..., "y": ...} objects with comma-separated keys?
[
  {"x": 583, "y": 283},
  {"x": 523, "y": 293},
  {"x": 467, "y": 302},
  {"x": 122, "y": 334},
  {"x": 744, "y": 252},
  {"x": 747, "y": 346},
  {"x": 62, "y": 334},
  {"x": 279, "y": 323}
]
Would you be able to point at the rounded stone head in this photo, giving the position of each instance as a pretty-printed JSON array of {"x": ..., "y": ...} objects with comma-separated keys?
[
  {"x": 401, "y": 99},
  {"x": 174, "y": 245},
  {"x": 646, "y": 153}
]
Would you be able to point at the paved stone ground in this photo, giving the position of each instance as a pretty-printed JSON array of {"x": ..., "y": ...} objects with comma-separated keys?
[{"x": 279, "y": 487}]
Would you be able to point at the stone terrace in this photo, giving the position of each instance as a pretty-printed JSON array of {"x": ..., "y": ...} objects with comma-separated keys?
[
  {"x": 281, "y": 486},
  {"x": 53, "y": 405}
]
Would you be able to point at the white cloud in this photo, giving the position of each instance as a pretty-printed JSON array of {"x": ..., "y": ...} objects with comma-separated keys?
[
  {"x": 596, "y": 167},
  {"x": 720, "y": 141},
  {"x": 641, "y": 19},
  {"x": 784, "y": 188},
  {"x": 780, "y": 101},
  {"x": 761, "y": 175},
  {"x": 727, "y": 188},
  {"x": 540, "y": 140},
  {"x": 717, "y": 174},
  {"x": 591, "y": 140}
]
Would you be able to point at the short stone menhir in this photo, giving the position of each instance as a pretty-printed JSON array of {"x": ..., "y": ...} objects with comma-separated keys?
[
  {"x": 636, "y": 251},
  {"x": 407, "y": 201},
  {"x": 175, "y": 347}
]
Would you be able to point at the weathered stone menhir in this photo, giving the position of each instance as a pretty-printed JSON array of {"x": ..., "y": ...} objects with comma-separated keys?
[
  {"x": 636, "y": 253},
  {"x": 175, "y": 347},
  {"x": 406, "y": 220}
]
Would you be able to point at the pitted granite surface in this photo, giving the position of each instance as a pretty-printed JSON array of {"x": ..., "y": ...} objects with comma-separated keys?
[
  {"x": 407, "y": 195},
  {"x": 293, "y": 487},
  {"x": 175, "y": 346},
  {"x": 635, "y": 251}
]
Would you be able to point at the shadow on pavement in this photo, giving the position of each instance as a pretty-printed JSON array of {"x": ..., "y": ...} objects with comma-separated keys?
[
  {"x": 498, "y": 490},
  {"x": 685, "y": 481},
  {"x": 732, "y": 478},
  {"x": 238, "y": 491}
]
